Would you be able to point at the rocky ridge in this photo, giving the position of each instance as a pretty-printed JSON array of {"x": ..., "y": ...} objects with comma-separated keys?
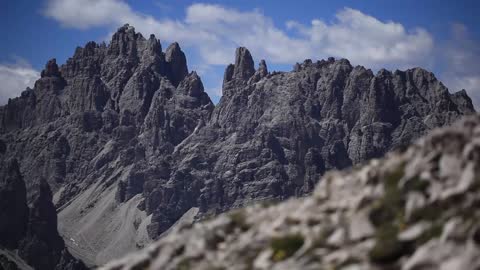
[
  {"x": 412, "y": 210},
  {"x": 129, "y": 142}
]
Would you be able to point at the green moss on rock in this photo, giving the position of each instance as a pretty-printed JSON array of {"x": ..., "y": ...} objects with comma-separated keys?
[{"x": 285, "y": 246}]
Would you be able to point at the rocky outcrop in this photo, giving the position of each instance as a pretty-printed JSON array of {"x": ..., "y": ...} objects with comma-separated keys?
[
  {"x": 415, "y": 209},
  {"x": 31, "y": 230},
  {"x": 177, "y": 63},
  {"x": 13, "y": 205},
  {"x": 129, "y": 142}
]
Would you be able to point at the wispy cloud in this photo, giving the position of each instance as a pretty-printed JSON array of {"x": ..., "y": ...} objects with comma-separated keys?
[
  {"x": 15, "y": 78},
  {"x": 212, "y": 32}
]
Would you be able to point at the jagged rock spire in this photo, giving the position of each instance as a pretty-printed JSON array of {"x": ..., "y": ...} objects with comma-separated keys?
[
  {"x": 192, "y": 85},
  {"x": 262, "y": 69},
  {"x": 51, "y": 69},
  {"x": 124, "y": 41},
  {"x": 244, "y": 66},
  {"x": 261, "y": 72},
  {"x": 154, "y": 44},
  {"x": 240, "y": 72},
  {"x": 42, "y": 245},
  {"x": 178, "y": 63},
  {"x": 13, "y": 204}
]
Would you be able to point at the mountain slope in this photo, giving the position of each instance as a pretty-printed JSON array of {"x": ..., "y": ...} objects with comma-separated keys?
[
  {"x": 415, "y": 209},
  {"x": 129, "y": 142}
]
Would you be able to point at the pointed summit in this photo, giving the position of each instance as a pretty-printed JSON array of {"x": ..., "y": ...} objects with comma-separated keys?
[
  {"x": 178, "y": 63},
  {"x": 154, "y": 44},
  {"x": 244, "y": 66},
  {"x": 124, "y": 41},
  {"x": 261, "y": 72},
  {"x": 239, "y": 73},
  {"x": 192, "y": 85},
  {"x": 51, "y": 69},
  {"x": 262, "y": 68}
]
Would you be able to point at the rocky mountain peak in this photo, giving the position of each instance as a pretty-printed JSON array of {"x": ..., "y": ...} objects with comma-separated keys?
[
  {"x": 462, "y": 101},
  {"x": 192, "y": 85},
  {"x": 51, "y": 69},
  {"x": 244, "y": 66},
  {"x": 154, "y": 45},
  {"x": 261, "y": 72},
  {"x": 238, "y": 74},
  {"x": 262, "y": 68},
  {"x": 124, "y": 41},
  {"x": 177, "y": 61}
]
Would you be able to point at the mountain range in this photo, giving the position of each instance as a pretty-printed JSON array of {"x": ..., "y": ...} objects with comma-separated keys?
[{"x": 121, "y": 144}]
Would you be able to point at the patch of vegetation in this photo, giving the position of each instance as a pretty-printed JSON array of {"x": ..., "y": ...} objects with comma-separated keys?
[
  {"x": 416, "y": 184},
  {"x": 284, "y": 247},
  {"x": 185, "y": 264},
  {"x": 239, "y": 220},
  {"x": 388, "y": 216},
  {"x": 387, "y": 247},
  {"x": 391, "y": 206},
  {"x": 433, "y": 232},
  {"x": 430, "y": 212}
]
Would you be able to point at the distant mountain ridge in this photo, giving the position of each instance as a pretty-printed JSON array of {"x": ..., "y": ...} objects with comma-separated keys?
[{"x": 128, "y": 140}]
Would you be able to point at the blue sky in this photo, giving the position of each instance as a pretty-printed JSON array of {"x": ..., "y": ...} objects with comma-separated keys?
[{"x": 442, "y": 36}]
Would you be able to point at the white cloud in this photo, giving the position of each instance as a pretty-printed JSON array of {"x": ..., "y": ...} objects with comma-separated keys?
[
  {"x": 214, "y": 31},
  {"x": 15, "y": 78},
  {"x": 89, "y": 13},
  {"x": 365, "y": 40}
]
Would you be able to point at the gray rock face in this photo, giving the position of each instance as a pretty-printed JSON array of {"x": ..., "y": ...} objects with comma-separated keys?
[
  {"x": 177, "y": 62},
  {"x": 13, "y": 205},
  {"x": 355, "y": 219},
  {"x": 6, "y": 264},
  {"x": 32, "y": 230},
  {"x": 273, "y": 136},
  {"x": 127, "y": 122}
]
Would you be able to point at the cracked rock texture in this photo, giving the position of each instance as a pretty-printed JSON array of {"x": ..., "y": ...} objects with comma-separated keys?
[
  {"x": 412, "y": 210},
  {"x": 129, "y": 142}
]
